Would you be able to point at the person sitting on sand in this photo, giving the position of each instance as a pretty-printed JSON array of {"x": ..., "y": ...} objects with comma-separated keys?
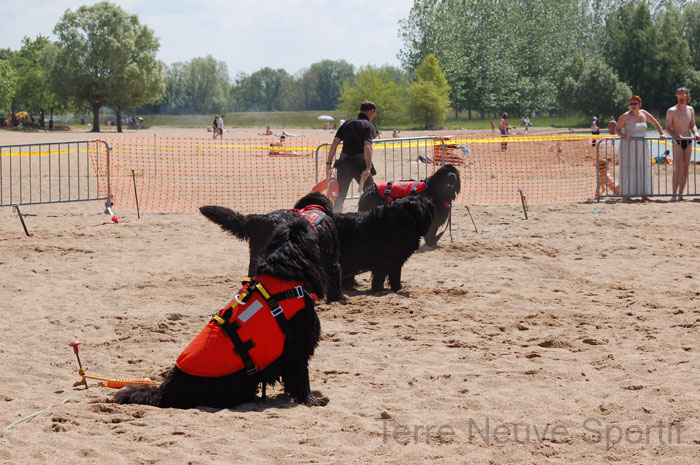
[{"x": 281, "y": 141}]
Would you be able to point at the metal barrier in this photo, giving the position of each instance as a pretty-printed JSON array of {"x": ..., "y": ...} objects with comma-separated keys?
[
  {"x": 398, "y": 159},
  {"x": 643, "y": 167},
  {"x": 55, "y": 172}
]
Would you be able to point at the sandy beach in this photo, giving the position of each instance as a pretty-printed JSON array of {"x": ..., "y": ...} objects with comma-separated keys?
[{"x": 567, "y": 337}]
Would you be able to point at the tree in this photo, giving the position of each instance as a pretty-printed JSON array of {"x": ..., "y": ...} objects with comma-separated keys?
[
  {"x": 99, "y": 54},
  {"x": 691, "y": 31},
  {"x": 144, "y": 75},
  {"x": 428, "y": 96},
  {"x": 8, "y": 83},
  {"x": 198, "y": 86},
  {"x": 329, "y": 77},
  {"x": 377, "y": 86},
  {"x": 261, "y": 91},
  {"x": 632, "y": 47},
  {"x": 497, "y": 54},
  {"x": 590, "y": 86},
  {"x": 32, "y": 63}
]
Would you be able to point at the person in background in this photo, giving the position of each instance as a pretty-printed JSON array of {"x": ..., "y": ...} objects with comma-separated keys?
[
  {"x": 611, "y": 125},
  {"x": 355, "y": 161},
  {"x": 595, "y": 130},
  {"x": 221, "y": 127},
  {"x": 503, "y": 126},
  {"x": 215, "y": 126},
  {"x": 680, "y": 124},
  {"x": 635, "y": 163}
]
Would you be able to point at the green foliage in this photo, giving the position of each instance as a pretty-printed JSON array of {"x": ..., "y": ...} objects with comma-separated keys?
[
  {"x": 32, "y": 63},
  {"x": 373, "y": 84},
  {"x": 8, "y": 83},
  {"x": 102, "y": 49},
  {"x": 590, "y": 76},
  {"x": 512, "y": 55},
  {"x": 649, "y": 54},
  {"x": 261, "y": 91},
  {"x": 428, "y": 96},
  {"x": 497, "y": 55},
  {"x": 197, "y": 86},
  {"x": 329, "y": 77}
]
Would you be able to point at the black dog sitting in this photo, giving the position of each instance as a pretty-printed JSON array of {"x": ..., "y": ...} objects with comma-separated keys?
[
  {"x": 382, "y": 239},
  {"x": 246, "y": 343},
  {"x": 441, "y": 187},
  {"x": 257, "y": 228}
]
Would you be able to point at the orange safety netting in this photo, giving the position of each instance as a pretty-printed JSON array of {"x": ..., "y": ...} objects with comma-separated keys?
[
  {"x": 180, "y": 175},
  {"x": 254, "y": 175},
  {"x": 548, "y": 168}
]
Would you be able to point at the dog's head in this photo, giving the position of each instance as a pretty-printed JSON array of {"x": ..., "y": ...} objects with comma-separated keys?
[
  {"x": 444, "y": 184},
  {"x": 315, "y": 198},
  {"x": 293, "y": 254}
]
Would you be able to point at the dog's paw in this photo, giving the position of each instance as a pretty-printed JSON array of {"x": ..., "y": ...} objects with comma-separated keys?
[{"x": 316, "y": 399}]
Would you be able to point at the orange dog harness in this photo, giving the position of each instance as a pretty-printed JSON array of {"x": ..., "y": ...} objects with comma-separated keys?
[{"x": 249, "y": 332}]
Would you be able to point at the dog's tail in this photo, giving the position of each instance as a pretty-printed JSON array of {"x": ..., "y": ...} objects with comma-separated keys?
[
  {"x": 138, "y": 394},
  {"x": 236, "y": 223}
]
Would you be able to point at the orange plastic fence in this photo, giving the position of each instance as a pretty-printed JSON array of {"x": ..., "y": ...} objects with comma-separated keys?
[
  {"x": 180, "y": 175},
  {"x": 548, "y": 168}
]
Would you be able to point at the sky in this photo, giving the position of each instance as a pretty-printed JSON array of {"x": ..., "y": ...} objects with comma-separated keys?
[{"x": 245, "y": 34}]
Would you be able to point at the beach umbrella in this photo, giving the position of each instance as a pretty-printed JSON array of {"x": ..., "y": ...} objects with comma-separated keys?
[{"x": 325, "y": 118}]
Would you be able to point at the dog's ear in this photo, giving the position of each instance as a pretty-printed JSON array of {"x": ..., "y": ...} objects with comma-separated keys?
[{"x": 455, "y": 178}]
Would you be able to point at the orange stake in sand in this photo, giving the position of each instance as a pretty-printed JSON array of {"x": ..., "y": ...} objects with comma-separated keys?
[{"x": 104, "y": 382}]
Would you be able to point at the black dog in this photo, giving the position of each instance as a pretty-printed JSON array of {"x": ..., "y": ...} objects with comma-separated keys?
[
  {"x": 257, "y": 228},
  {"x": 204, "y": 378},
  {"x": 382, "y": 239},
  {"x": 441, "y": 187}
]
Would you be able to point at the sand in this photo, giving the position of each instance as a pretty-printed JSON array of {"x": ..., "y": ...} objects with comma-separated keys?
[{"x": 569, "y": 337}]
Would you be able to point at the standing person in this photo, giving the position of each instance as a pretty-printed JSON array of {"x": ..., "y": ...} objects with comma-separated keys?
[
  {"x": 680, "y": 124},
  {"x": 355, "y": 161},
  {"x": 215, "y": 126},
  {"x": 503, "y": 126},
  {"x": 221, "y": 127},
  {"x": 595, "y": 130},
  {"x": 635, "y": 164},
  {"x": 611, "y": 125}
]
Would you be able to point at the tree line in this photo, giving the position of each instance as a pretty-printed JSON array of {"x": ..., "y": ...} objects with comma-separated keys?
[
  {"x": 475, "y": 56},
  {"x": 559, "y": 56}
]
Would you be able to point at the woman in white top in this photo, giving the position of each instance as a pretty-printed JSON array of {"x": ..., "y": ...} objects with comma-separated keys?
[{"x": 635, "y": 162}]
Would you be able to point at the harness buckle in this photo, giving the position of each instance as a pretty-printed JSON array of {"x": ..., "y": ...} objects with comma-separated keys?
[
  {"x": 300, "y": 291},
  {"x": 277, "y": 311}
]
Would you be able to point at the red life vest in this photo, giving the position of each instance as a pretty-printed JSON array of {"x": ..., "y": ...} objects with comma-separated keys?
[
  {"x": 393, "y": 190},
  {"x": 248, "y": 318},
  {"x": 315, "y": 214}
]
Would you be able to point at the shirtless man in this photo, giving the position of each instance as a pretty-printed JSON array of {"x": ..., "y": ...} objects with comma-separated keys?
[{"x": 680, "y": 123}]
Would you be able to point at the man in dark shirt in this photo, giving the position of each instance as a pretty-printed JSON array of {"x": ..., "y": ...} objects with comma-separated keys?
[{"x": 355, "y": 161}]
